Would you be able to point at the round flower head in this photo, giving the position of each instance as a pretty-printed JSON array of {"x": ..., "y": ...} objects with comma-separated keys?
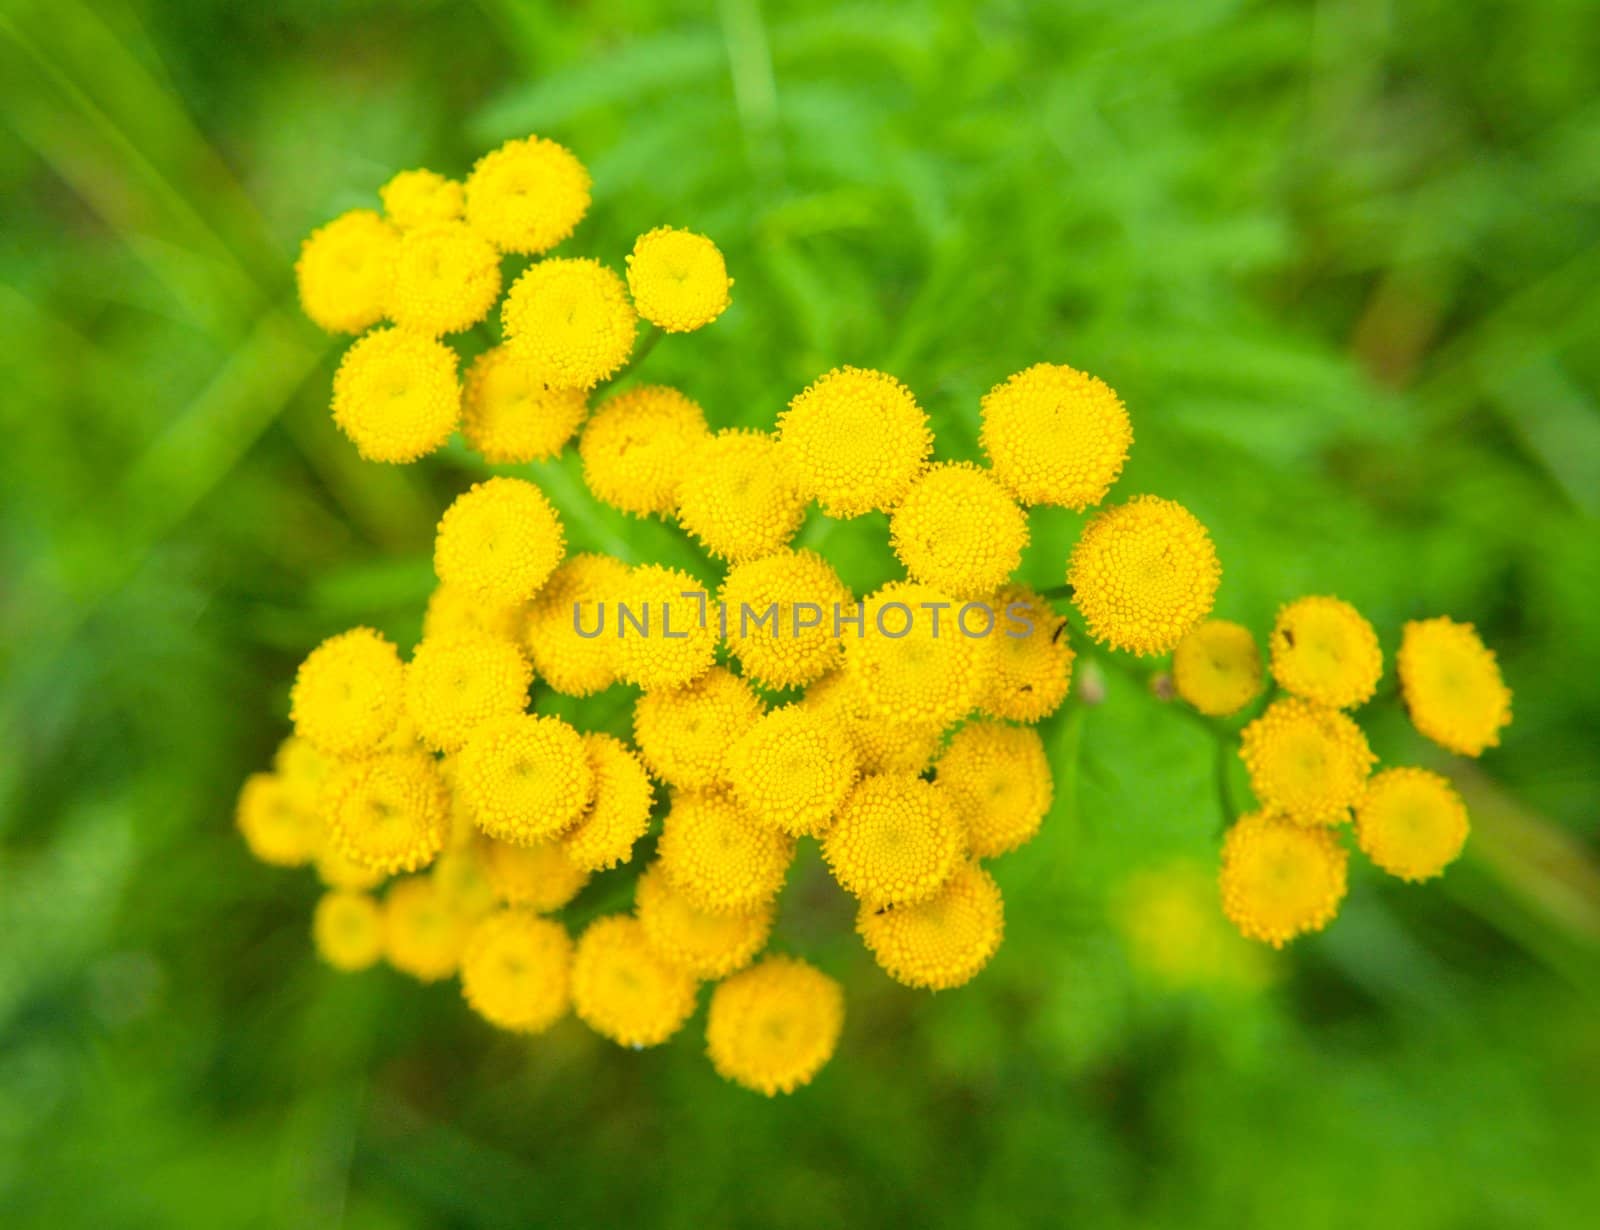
[
  {"x": 1217, "y": 668},
  {"x": 538, "y": 877},
  {"x": 699, "y": 943},
  {"x": 958, "y": 529},
  {"x": 501, "y": 540},
  {"x": 1055, "y": 436},
  {"x": 622, "y": 990},
  {"x": 620, "y": 812},
  {"x": 1323, "y": 650},
  {"x": 336, "y": 869},
  {"x": 1452, "y": 686},
  {"x": 882, "y": 744},
  {"x": 462, "y": 880},
  {"x": 911, "y": 660},
  {"x": 723, "y": 861},
  {"x": 571, "y": 319},
  {"x": 772, "y": 1027},
  {"x": 636, "y": 447},
  {"x": 525, "y": 777},
  {"x": 347, "y": 929},
  {"x": 571, "y": 604},
  {"x": 420, "y": 198},
  {"x": 678, "y": 279},
  {"x": 897, "y": 840},
  {"x": 1307, "y": 760},
  {"x": 516, "y": 971},
  {"x": 345, "y": 271},
  {"x": 999, "y": 778},
  {"x": 942, "y": 942},
  {"x": 304, "y": 770},
  {"x": 395, "y": 395},
  {"x": 349, "y": 693},
  {"x": 454, "y": 612},
  {"x": 793, "y": 769},
  {"x": 275, "y": 823},
  {"x": 452, "y": 685},
  {"x": 512, "y": 416},
  {"x": 1280, "y": 879},
  {"x": 446, "y": 278},
  {"x": 422, "y": 935},
  {"x": 1411, "y": 823},
  {"x": 854, "y": 440},
  {"x": 1144, "y": 573},
  {"x": 679, "y": 641},
  {"x": 527, "y": 196},
  {"x": 684, "y": 733},
  {"x": 780, "y": 617},
  {"x": 1032, "y": 668},
  {"x": 390, "y": 812},
  {"x": 736, "y": 498}
]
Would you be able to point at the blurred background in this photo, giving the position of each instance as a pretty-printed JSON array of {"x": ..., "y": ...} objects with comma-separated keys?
[{"x": 1338, "y": 257}]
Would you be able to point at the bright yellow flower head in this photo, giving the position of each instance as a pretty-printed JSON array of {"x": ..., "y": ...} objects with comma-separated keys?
[
  {"x": 620, "y": 812},
  {"x": 1452, "y": 686},
  {"x": 501, "y": 540},
  {"x": 525, "y": 777},
  {"x": 636, "y": 448},
  {"x": 349, "y": 693},
  {"x": 896, "y": 840},
  {"x": 454, "y": 611},
  {"x": 462, "y": 880},
  {"x": 942, "y": 942},
  {"x": 1323, "y": 650},
  {"x": 336, "y": 869},
  {"x": 999, "y": 778},
  {"x": 446, "y": 278},
  {"x": 882, "y": 744},
  {"x": 735, "y": 496},
  {"x": 1280, "y": 879},
  {"x": 570, "y": 663},
  {"x": 793, "y": 769},
  {"x": 527, "y": 196},
  {"x": 684, "y": 733},
  {"x": 390, "y": 812},
  {"x": 345, "y": 271},
  {"x": 701, "y": 944},
  {"x": 572, "y": 319},
  {"x": 395, "y": 395},
  {"x": 275, "y": 823},
  {"x": 347, "y": 929},
  {"x": 1032, "y": 668},
  {"x": 1217, "y": 667},
  {"x": 453, "y": 684},
  {"x": 1411, "y": 823},
  {"x": 678, "y": 279},
  {"x": 422, "y": 935},
  {"x": 957, "y": 528},
  {"x": 911, "y": 661},
  {"x": 1306, "y": 760},
  {"x": 420, "y": 198},
  {"x": 622, "y": 990},
  {"x": 1144, "y": 573},
  {"x": 854, "y": 440},
  {"x": 303, "y": 768},
  {"x": 516, "y": 971},
  {"x": 773, "y": 1026},
  {"x": 1055, "y": 436},
  {"x": 653, "y": 596},
  {"x": 538, "y": 877},
  {"x": 510, "y": 415},
  {"x": 722, "y": 860},
  {"x": 780, "y": 617}
]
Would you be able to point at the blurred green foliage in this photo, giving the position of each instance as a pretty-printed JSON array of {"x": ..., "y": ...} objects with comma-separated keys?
[{"x": 1338, "y": 257}]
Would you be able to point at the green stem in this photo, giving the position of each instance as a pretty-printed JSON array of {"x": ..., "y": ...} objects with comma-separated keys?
[{"x": 652, "y": 335}]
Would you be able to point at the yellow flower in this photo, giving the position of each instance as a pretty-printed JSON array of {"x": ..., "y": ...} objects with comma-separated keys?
[
  {"x": 538, "y": 876},
  {"x": 723, "y": 861},
  {"x": 942, "y": 942},
  {"x": 395, "y": 395},
  {"x": 1032, "y": 668},
  {"x": 422, "y": 935},
  {"x": 699, "y": 943},
  {"x": 390, "y": 812},
  {"x": 501, "y": 540},
  {"x": 446, "y": 278},
  {"x": 571, "y": 318},
  {"x": 420, "y": 197},
  {"x": 678, "y": 279},
  {"x": 793, "y": 769},
  {"x": 349, "y": 693},
  {"x": 1168, "y": 917},
  {"x": 910, "y": 659},
  {"x": 622, "y": 990},
  {"x": 275, "y": 823},
  {"x": 854, "y": 440},
  {"x": 527, "y": 196},
  {"x": 347, "y": 929},
  {"x": 1307, "y": 760},
  {"x": 882, "y": 744},
  {"x": 684, "y": 733},
  {"x": 525, "y": 777},
  {"x": 1144, "y": 573},
  {"x": 454, "y": 611},
  {"x": 453, "y": 684},
  {"x": 1055, "y": 436},
  {"x": 1452, "y": 686},
  {"x": 636, "y": 448},
  {"x": 510, "y": 415},
  {"x": 620, "y": 812},
  {"x": 569, "y": 663},
  {"x": 303, "y": 768},
  {"x": 680, "y": 642},
  {"x": 736, "y": 498},
  {"x": 336, "y": 869},
  {"x": 462, "y": 880},
  {"x": 516, "y": 971},
  {"x": 958, "y": 529},
  {"x": 1323, "y": 650},
  {"x": 345, "y": 271},
  {"x": 1411, "y": 823},
  {"x": 773, "y": 1026},
  {"x": 896, "y": 840},
  {"x": 999, "y": 779},
  {"x": 1280, "y": 879},
  {"x": 780, "y": 612},
  {"x": 1217, "y": 668}
]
